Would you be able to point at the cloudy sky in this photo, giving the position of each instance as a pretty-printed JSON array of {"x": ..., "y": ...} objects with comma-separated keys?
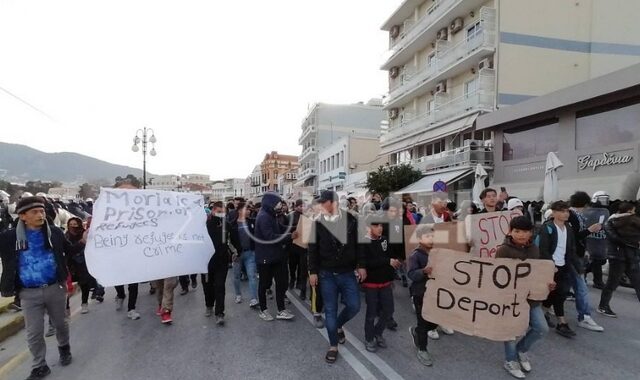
[{"x": 220, "y": 82}]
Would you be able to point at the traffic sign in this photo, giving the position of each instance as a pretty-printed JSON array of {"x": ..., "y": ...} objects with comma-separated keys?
[{"x": 439, "y": 187}]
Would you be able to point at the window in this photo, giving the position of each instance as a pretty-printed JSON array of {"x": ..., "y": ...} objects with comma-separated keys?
[
  {"x": 608, "y": 125},
  {"x": 431, "y": 59},
  {"x": 474, "y": 31},
  {"x": 431, "y": 105},
  {"x": 342, "y": 158},
  {"x": 470, "y": 87},
  {"x": 530, "y": 141}
]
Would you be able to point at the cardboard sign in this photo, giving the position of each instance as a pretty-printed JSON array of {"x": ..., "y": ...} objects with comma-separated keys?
[
  {"x": 487, "y": 231},
  {"x": 304, "y": 232},
  {"x": 484, "y": 297},
  {"x": 144, "y": 235}
]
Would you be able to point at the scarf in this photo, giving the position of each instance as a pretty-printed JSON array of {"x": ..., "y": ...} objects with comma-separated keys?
[{"x": 21, "y": 235}]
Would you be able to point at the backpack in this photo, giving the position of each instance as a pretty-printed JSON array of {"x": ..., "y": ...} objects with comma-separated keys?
[{"x": 536, "y": 240}]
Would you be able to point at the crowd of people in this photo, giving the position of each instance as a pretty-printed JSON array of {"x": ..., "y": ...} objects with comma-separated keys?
[{"x": 353, "y": 251}]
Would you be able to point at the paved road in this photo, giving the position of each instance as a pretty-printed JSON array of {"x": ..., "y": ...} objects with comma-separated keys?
[{"x": 106, "y": 345}]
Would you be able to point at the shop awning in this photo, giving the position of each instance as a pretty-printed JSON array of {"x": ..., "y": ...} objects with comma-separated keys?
[
  {"x": 622, "y": 187},
  {"x": 525, "y": 191},
  {"x": 425, "y": 184}
]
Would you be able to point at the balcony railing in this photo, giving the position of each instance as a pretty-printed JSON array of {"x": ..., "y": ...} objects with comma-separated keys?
[
  {"x": 307, "y": 152},
  {"x": 468, "y": 156},
  {"x": 447, "y": 57},
  {"x": 306, "y": 133},
  {"x": 413, "y": 29},
  {"x": 482, "y": 98},
  {"x": 309, "y": 172}
]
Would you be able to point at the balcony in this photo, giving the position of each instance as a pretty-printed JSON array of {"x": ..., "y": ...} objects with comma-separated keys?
[
  {"x": 307, "y": 153},
  {"x": 482, "y": 99},
  {"x": 416, "y": 35},
  {"x": 449, "y": 61},
  {"x": 308, "y": 131},
  {"x": 464, "y": 157},
  {"x": 306, "y": 174}
]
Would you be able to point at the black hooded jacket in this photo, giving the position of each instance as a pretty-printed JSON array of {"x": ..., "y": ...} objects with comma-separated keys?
[
  {"x": 270, "y": 235},
  {"x": 623, "y": 235}
]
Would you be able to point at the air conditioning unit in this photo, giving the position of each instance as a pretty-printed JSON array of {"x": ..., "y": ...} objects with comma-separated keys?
[
  {"x": 441, "y": 87},
  {"x": 353, "y": 166},
  {"x": 394, "y": 72},
  {"x": 456, "y": 25},
  {"x": 442, "y": 34},
  {"x": 394, "y": 113},
  {"x": 485, "y": 64},
  {"x": 395, "y": 31}
]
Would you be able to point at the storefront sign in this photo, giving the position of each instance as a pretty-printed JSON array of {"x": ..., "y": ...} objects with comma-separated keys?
[{"x": 608, "y": 159}]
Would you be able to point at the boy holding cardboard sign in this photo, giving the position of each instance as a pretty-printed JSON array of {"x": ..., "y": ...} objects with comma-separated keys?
[{"x": 518, "y": 245}]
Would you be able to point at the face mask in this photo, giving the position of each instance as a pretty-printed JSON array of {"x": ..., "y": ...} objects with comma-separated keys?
[{"x": 219, "y": 214}]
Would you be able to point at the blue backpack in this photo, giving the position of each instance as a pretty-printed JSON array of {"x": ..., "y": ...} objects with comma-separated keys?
[{"x": 536, "y": 240}]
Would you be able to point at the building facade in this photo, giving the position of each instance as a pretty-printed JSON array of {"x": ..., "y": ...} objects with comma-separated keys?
[
  {"x": 327, "y": 123},
  {"x": 450, "y": 61},
  {"x": 274, "y": 166},
  {"x": 594, "y": 129}
]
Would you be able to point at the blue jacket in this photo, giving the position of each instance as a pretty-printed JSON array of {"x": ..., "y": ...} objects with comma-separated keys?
[{"x": 270, "y": 239}]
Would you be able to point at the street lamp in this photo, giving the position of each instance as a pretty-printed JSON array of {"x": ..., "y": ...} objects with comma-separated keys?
[{"x": 141, "y": 137}]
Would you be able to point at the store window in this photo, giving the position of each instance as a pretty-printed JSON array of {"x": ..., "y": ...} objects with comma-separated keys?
[
  {"x": 608, "y": 125},
  {"x": 530, "y": 141}
]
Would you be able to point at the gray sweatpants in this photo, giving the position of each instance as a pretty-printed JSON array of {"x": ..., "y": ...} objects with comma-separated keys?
[{"x": 34, "y": 303}]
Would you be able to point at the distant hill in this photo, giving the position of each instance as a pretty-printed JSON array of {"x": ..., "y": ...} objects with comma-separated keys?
[{"x": 20, "y": 163}]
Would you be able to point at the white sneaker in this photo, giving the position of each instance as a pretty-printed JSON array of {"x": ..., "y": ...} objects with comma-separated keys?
[
  {"x": 589, "y": 324},
  {"x": 446, "y": 330},
  {"x": 285, "y": 315},
  {"x": 433, "y": 334},
  {"x": 132, "y": 314},
  {"x": 525, "y": 362},
  {"x": 253, "y": 303},
  {"x": 238, "y": 299},
  {"x": 514, "y": 369},
  {"x": 119, "y": 303},
  {"x": 265, "y": 316},
  {"x": 84, "y": 308}
]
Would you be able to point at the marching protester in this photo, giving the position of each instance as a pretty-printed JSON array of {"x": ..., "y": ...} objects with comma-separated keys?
[
  {"x": 489, "y": 199},
  {"x": 34, "y": 267},
  {"x": 76, "y": 260},
  {"x": 271, "y": 256},
  {"x": 623, "y": 233},
  {"x": 244, "y": 230},
  {"x": 333, "y": 259},
  {"x": 597, "y": 241},
  {"x": 418, "y": 271},
  {"x": 298, "y": 261},
  {"x": 518, "y": 245},
  {"x": 380, "y": 262}
]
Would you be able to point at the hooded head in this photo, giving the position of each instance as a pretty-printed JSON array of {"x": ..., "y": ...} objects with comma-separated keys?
[{"x": 269, "y": 201}]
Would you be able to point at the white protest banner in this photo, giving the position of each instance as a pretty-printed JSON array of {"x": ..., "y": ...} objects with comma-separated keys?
[
  {"x": 144, "y": 235},
  {"x": 487, "y": 231},
  {"x": 484, "y": 297}
]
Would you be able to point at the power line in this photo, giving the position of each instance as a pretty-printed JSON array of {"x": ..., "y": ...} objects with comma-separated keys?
[{"x": 27, "y": 103}]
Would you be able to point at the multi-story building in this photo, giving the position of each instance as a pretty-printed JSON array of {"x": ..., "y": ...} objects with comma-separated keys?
[
  {"x": 169, "y": 182},
  {"x": 66, "y": 192},
  {"x": 235, "y": 187},
  {"x": 256, "y": 181},
  {"x": 344, "y": 158},
  {"x": 274, "y": 166},
  {"x": 327, "y": 123},
  {"x": 452, "y": 60},
  {"x": 196, "y": 179},
  {"x": 287, "y": 182}
]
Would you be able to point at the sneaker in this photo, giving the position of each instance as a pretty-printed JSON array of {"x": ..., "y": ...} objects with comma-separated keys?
[
  {"x": 564, "y": 330},
  {"x": 165, "y": 318},
  {"x": 433, "y": 334},
  {"x": 238, "y": 299},
  {"x": 65, "y": 355},
  {"x": 100, "y": 299},
  {"x": 285, "y": 315},
  {"x": 159, "y": 310},
  {"x": 133, "y": 315},
  {"x": 571, "y": 296},
  {"x": 39, "y": 373},
  {"x": 51, "y": 331},
  {"x": 414, "y": 336},
  {"x": 514, "y": 369},
  {"x": 525, "y": 362},
  {"x": 119, "y": 303},
  {"x": 254, "y": 303},
  {"x": 265, "y": 316},
  {"x": 446, "y": 330},
  {"x": 381, "y": 342},
  {"x": 208, "y": 312},
  {"x": 392, "y": 325},
  {"x": 589, "y": 324},
  {"x": 194, "y": 284},
  {"x": 84, "y": 308},
  {"x": 424, "y": 357},
  {"x": 549, "y": 320},
  {"x": 220, "y": 320},
  {"x": 371, "y": 346},
  {"x": 184, "y": 291},
  {"x": 15, "y": 307},
  {"x": 606, "y": 311},
  {"x": 318, "y": 321}
]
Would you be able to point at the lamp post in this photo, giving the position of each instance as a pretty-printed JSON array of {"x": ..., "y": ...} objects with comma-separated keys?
[{"x": 142, "y": 137}]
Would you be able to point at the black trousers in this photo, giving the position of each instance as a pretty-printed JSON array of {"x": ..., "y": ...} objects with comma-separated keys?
[
  {"x": 380, "y": 306},
  {"x": 423, "y": 328},
  {"x": 187, "y": 279},
  {"x": 558, "y": 296},
  {"x": 616, "y": 269},
  {"x": 294, "y": 266},
  {"x": 213, "y": 286},
  {"x": 595, "y": 267},
  {"x": 133, "y": 295},
  {"x": 303, "y": 268},
  {"x": 268, "y": 273}
]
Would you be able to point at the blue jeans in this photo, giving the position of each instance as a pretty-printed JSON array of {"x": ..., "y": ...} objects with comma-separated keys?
[
  {"x": 248, "y": 259},
  {"x": 581, "y": 293},
  {"x": 538, "y": 328},
  {"x": 332, "y": 285}
]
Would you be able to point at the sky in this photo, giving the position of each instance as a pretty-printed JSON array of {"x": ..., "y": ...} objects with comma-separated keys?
[{"x": 220, "y": 82}]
